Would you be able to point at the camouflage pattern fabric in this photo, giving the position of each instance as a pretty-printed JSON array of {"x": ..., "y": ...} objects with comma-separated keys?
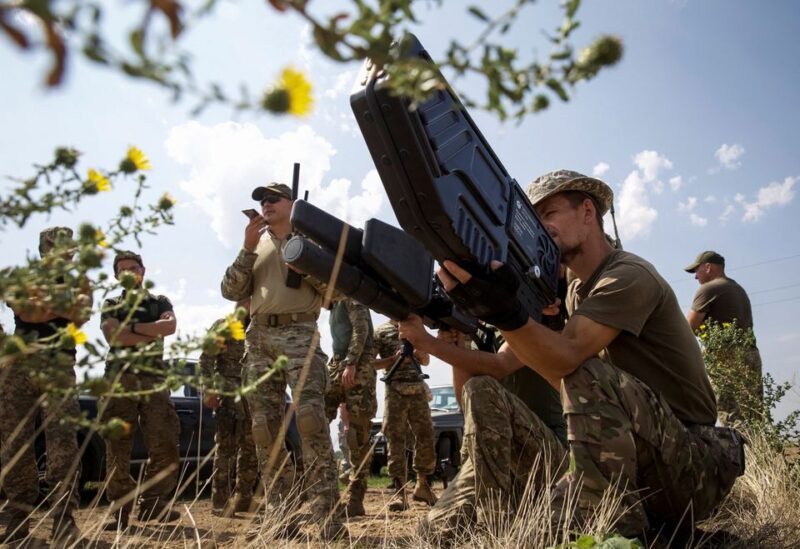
[
  {"x": 504, "y": 444},
  {"x": 560, "y": 181},
  {"x": 236, "y": 461},
  {"x": 25, "y": 383},
  {"x": 160, "y": 428},
  {"x": 263, "y": 345},
  {"x": 360, "y": 400},
  {"x": 623, "y": 438},
  {"x": 405, "y": 405}
]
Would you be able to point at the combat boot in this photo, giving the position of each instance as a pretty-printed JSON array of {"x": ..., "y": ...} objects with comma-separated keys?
[
  {"x": 119, "y": 520},
  {"x": 154, "y": 509},
  {"x": 355, "y": 498},
  {"x": 18, "y": 527},
  {"x": 398, "y": 501},
  {"x": 219, "y": 500},
  {"x": 333, "y": 530},
  {"x": 423, "y": 491},
  {"x": 242, "y": 503}
]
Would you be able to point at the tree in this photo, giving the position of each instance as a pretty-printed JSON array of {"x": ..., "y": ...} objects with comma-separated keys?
[{"x": 514, "y": 86}]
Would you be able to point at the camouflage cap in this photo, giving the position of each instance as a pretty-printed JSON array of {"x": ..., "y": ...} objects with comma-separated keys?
[
  {"x": 50, "y": 236},
  {"x": 561, "y": 181},
  {"x": 280, "y": 189},
  {"x": 123, "y": 255},
  {"x": 705, "y": 257}
]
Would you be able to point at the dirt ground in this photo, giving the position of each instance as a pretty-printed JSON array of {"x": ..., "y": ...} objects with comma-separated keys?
[{"x": 198, "y": 527}]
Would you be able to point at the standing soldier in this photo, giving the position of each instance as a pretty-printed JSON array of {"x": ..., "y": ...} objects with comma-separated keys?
[
  {"x": 236, "y": 453},
  {"x": 45, "y": 375},
  {"x": 353, "y": 384},
  {"x": 135, "y": 324},
  {"x": 406, "y": 405},
  {"x": 722, "y": 300},
  {"x": 283, "y": 321}
]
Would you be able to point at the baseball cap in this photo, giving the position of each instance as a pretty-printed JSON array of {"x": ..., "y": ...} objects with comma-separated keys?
[
  {"x": 706, "y": 257},
  {"x": 49, "y": 237},
  {"x": 561, "y": 181},
  {"x": 121, "y": 256},
  {"x": 280, "y": 189}
]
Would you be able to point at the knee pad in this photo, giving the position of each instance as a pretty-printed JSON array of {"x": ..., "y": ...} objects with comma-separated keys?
[
  {"x": 310, "y": 420},
  {"x": 262, "y": 436}
]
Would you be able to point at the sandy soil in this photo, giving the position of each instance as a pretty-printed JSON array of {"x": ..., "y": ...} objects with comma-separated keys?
[{"x": 198, "y": 527}]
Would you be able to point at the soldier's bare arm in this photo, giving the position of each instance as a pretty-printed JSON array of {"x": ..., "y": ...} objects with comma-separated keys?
[
  {"x": 164, "y": 326},
  {"x": 551, "y": 354},
  {"x": 695, "y": 319},
  {"x": 121, "y": 337},
  {"x": 471, "y": 362}
]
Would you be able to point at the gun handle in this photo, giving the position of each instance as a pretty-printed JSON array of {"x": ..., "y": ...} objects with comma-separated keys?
[{"x": 293, "y": 279}]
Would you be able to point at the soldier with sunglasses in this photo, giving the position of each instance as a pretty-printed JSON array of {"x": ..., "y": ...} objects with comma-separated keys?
[{"x": 284, "y": 323}]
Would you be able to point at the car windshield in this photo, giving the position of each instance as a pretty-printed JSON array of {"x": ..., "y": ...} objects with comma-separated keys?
[{"x": 444, "y": 398}]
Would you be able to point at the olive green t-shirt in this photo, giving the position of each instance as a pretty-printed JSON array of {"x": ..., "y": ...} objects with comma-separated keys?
[
  {"x": 723, "y": 300},
  {"x": 656, "y": 344}
]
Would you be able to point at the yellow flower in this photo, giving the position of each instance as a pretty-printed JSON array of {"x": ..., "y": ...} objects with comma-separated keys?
[
  {"x": 78, "y": 336},
  {"x": 292, "y": 94},
  {"x": 236, "y": 328},
  {"x": 100, "y": 237},
  {"x": 134, "y": 161},
  {"x": 100, "y": 182}
]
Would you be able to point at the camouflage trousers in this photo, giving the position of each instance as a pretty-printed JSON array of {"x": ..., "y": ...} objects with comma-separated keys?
[
  {"x": 623, "y": 439},
  {"x": 267, "y": 402},
  {"x": 361, "y": 402},
  {"x": 406, "y": 406},
  {"x": 160, "y": 427},
  {"x": 236, "y": 462},
  {"x": 25, "y": 384}
]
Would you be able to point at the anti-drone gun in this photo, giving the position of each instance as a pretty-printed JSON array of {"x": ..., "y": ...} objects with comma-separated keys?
[
  {"x": 380, "y": 266},
  {"x": 448, "y": 188}
]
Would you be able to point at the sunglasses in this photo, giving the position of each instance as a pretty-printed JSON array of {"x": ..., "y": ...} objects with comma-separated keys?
[{"x": 272, "y": 199}]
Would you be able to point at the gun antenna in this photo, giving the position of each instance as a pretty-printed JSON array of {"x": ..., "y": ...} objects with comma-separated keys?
[{"x": 296, "y": 181}]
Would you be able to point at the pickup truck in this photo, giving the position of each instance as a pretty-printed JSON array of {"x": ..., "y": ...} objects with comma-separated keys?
[{"x": 196, "y": 439}]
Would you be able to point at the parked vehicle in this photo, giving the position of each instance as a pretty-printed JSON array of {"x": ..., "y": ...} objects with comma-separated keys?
[
  {"x": 196, "y": 440},
  {"x": 448, "y": 431}
]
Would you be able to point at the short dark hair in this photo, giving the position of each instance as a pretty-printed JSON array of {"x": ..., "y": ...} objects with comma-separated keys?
[
  {"x": 123, "y": 255},
  {"x": 576, "y": 198}
]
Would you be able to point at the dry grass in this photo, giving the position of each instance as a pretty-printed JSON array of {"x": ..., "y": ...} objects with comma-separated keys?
[{"x": 763, "y": 510}]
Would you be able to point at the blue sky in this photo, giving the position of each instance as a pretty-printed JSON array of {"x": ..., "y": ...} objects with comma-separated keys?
[{"x": 696, "y": 131}]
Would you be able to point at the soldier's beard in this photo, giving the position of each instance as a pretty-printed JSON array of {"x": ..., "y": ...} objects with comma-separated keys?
[{"x": 569, "y": 253}]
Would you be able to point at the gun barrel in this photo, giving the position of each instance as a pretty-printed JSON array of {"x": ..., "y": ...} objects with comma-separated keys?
[{"x": 351, "y": 281}]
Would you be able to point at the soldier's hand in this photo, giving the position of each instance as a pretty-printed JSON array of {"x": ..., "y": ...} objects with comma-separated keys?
[
  {"x": 553, "y": 309},
  {"x": 211, "y": 400},
  {"x": 252, "y": 233},
  {"x": 349, "y": 377},
  {"x": 412, "y": 330}
]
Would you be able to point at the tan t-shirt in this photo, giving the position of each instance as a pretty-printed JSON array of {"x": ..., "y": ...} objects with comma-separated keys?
[
  {"x": 723, "y": 300},
  {"x": 656, "y": 344},
  {"x": 270, "y": 293}
]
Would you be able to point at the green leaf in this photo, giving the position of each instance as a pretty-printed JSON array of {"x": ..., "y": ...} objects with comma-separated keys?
[
  {"x": 558, "y": 89},
  {"x": 477, "y": 12},
  {"x": 572, "y": 7},
  {"x": 586, "y": 541}
]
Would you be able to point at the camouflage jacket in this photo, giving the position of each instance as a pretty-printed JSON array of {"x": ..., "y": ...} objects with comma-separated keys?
[{"x": 225, "y": 366}]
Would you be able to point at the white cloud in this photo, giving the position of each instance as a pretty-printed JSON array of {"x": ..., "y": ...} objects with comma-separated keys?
[
  {"x": 710, "y": 199},
  {"x": 697, "y": 221},
  {"x": 774, "y": 194},
  {"x": 688, "y": 206},
  {"x": 227, "y": 161},
  {"x": 342, "y": 84},
  {"x": 726, "y": 214},
  {"x": 676, "y": 182},
  {"x": 636, "y": 215},
  {"x": 600, "y": 169},
  {"x": 728, "y": 156},
  {"x": 650, "y": 163}
]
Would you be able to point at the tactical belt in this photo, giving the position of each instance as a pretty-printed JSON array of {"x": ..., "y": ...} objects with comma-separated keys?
[{"x": 274, "y": 321}]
